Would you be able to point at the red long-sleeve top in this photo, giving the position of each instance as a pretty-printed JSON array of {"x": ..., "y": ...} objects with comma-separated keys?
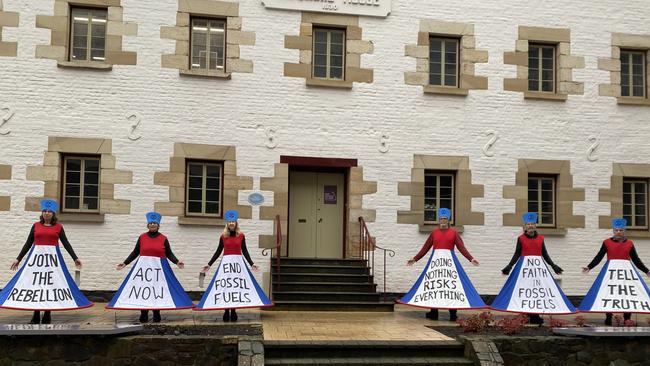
[{"x": 444, "y": 239}]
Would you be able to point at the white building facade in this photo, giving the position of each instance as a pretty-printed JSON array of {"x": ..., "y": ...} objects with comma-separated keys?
[{"x": 119, "y": 107}]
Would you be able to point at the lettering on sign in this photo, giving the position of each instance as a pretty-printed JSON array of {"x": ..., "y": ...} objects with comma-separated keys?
[{"x": 376, "y": 8}]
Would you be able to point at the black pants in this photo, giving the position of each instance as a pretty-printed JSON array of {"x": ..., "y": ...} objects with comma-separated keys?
[
  {"x": 608, "y": 317},
  {"x": 433, "y": 314}
]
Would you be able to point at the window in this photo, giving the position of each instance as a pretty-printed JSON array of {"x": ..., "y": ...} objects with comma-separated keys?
[
  {"x": 541, "y": 199},
  {"x": 633, "y": 73},
  {"x": 635, "y": 203},
  {"x": 329, "y": 53},
  {"x": 88, "y": 34},
  {"x": 438, "y": 193},
  {"x": 541, "y": 68},
  {"x": 204, "y": 189},
  {"x": 81, "y": 184},
  {"x": 443, "y": 61},
  {"x": 208, "y": 44}
]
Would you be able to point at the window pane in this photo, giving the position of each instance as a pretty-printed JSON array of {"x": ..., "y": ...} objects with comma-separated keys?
[
  {"x": 195, "y": 169},
  {"x": 533, "y": 85},
  {"x": 212, "y": 195},
  {"x": 72, "y": 177},
  {"x": 547, "y": 219},
  {"x": 547, "y": 52},
  {"x": 213, "y": 171},
  {"x": 194, "y": 195},
  {"x": 320, "y": 36},
  {"x": 194, "y": 207},
  {"x": 320, "y": 71},
  {"x": 450, "y": 80},
  {"x": 429, "y": 216},
  {"x": 212, "y": 183},
  {"x": 91, "y": 178},
  {"x": 211, "y": 208},
  {"x": 336, "y": 73},
  {"x": 429, "y": 192},
  {"x": 90, "y": 203},
  {"x": 72, "y": 203},
  {"x": 430, "y": 204},
  {"x": 435, "y": 79},
  {"x": 435, "y": 45},
  {"x": 435, "y": 56},
  {"x": 533, "y": 52},
  {"x": 90, "y": 190},
  {"x": 196, "y": 182},
  {"x": 547, "y": 86},
  {"x": 72, "y": 190},
  {"x": 430, "y": 180}
]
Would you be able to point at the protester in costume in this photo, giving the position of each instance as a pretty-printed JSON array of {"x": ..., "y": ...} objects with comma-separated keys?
[
  {"x": 530, "y": 288},
  {"x": 151, "y": 283},
  {"x": 43, "y": 283},
  {"x": 233, "y": 285},
  {"x": 443, "y": 282},
  {"x": 618, "y": 287}
]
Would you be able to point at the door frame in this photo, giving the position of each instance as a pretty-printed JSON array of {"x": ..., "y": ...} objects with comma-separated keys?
[{"x": 321, "y": 165}]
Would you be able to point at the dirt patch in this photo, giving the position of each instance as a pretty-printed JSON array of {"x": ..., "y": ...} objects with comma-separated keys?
[{"x": 205, "y": 330}]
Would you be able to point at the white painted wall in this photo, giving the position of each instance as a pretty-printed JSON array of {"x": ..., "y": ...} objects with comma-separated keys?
[{"x": 50, "y": 101}]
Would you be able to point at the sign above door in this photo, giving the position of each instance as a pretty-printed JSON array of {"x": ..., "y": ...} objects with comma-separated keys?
[{"x": 373, "y": 8}]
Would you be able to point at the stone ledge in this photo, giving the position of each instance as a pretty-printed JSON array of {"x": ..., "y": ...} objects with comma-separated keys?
[
  {"x": 201, "y": 221},
  {"x": 329, "y": 83},
  {"x": 90, "y": 65},
  {"x": 206, "y": 74},
  {"x": 434, "y": 89},
  {"x": 633, "y": 101},
  {"x": 552, "y": 231},
  {"x": 544, "y": 95},
  {"x": 81, "y": 217}
]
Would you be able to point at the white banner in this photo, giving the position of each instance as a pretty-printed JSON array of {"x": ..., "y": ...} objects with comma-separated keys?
[
  {"x": 41, "y": 283},
  {"x": 621, "y": 290},
  {"x": 145, "y": 287}
]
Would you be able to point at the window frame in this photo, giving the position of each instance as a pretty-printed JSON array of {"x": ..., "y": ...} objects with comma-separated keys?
[
  {"x": 329, "y": 31},
  {"x": 540, "y": 212},
  {"x": 438, "y": 174},
  {"x": 71, "y": 25},
  {"x": 443, "y": 62},
  {"x": 632, "y": 223},
  {"x": 204, "y": 188},
  {"x": 540, "y": 68},
  {"x": 64, "y": 182},
  {"x": 630, "y": 52},
  {"x": 191, "y": 44}
]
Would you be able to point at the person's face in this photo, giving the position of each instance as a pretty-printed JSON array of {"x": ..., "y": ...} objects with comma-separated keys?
[
  {"x": 443, "y": 222},
  {"x": 153, "y": 227},
  {"x": 619, "y": 233},
  {"x": 231, "y": 225},
  {"x": 47, "y": 215},
  {"x": 530, "y": 227}
]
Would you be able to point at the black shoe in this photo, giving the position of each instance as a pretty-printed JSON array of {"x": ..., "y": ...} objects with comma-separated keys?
[
  {"x": 608, "y": 319},
  {"x": 432, "y": 314},
  {"x": 47, "y": 318},
  {"x": 535, "y": 319},
  {"x": 144, "y": 316},
  {"x": 233, "y": 315},
  {"x": 156, "y": 316},
  {"x": 36, "y": 318},
  {"x": 226, "y": 315},
  {"x": 453, "y": 315}
]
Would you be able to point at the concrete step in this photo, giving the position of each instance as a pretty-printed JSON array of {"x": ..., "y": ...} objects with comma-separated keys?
[
  {"x": 311, "y": 268},
  {"x": 325, "y": 286},
  {"x": 325, "y": 261},
  {"x": 322, "y": 277},
  {"x": 373, "y": 361},
  {"x": 438, "y": 353},
  {"x": 326, "y": 296},
  {"x": 331, "y": 306}
]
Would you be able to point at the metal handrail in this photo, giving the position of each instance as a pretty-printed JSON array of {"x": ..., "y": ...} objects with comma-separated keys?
[
  {"x": 367, "y": 248},
  {"x": 278, "y": 249}
]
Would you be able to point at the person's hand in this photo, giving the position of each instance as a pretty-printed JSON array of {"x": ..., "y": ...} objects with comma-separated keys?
[
  {"x": 505, "y": 271},
  {"x": 14, "y": 264},
  {"x": 77, "y": 263},
  {"x": 647, "y": 273},
  {"x": 255, "y": 267},
  {"x": 120, "y": 266},
  {"x": 180, "y": 264},
  {"x": 557, "y": 270},
  {"x": 475, "y": 262},
  {"x": 585, "y": 269},
  {"x": 205, "y": 269}
]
